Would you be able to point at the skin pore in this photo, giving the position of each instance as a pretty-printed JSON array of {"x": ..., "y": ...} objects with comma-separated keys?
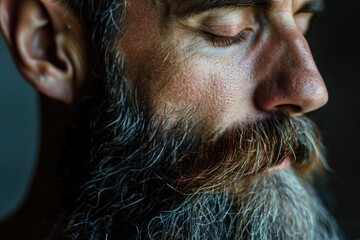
[{"x": 190, "y": 108}]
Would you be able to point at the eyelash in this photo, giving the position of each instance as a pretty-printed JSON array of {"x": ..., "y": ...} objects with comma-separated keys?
[{"x": 223, "y": 41}]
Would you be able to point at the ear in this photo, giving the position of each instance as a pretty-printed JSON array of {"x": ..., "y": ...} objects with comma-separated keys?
[{"x": 48, "y": 44}]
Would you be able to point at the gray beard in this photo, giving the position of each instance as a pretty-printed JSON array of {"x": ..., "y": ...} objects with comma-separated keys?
[
  {"x": 136, "y": 194},
  {"x": 278, "y": 205},
  {"x": 143, "y": 186}
]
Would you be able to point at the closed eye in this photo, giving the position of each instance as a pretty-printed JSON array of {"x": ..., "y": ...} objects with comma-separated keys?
[{"x": 227, "y": 41}]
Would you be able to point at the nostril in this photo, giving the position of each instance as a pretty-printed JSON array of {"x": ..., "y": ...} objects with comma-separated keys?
[{"x": 289, "y": 108}]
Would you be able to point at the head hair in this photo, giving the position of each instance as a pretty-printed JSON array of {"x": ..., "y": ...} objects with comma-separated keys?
[
  {"x": 103, "y": 22},
  {"x": 103, "y": 18}
]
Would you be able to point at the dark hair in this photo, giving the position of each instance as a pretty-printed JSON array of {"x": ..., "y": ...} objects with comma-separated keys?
[{"x": 102, "y": 20}]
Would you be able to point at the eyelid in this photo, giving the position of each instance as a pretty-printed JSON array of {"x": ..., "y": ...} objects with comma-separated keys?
[
  {"x": 222, "y": 30},
  {"x": 225, "y": 22},
  {"x": 226, "y": 17},
  {"x": 218, "y": 17}
]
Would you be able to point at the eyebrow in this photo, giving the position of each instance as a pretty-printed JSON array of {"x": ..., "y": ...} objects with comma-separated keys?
[
  {"x": 186, "y": 8},
  {"x": 315, "y": 6}
]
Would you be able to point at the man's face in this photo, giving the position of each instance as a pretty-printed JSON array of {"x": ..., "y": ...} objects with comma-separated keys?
[
  {"x": 221, "y": 61},
  {"x": 210, "y": 143}
]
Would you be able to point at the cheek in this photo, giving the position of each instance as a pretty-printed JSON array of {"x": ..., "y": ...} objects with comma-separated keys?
[
  {"x": 229, "y": 92},
  {"x": 174, "y": 77},
  {"x": 216, "y": 92}
]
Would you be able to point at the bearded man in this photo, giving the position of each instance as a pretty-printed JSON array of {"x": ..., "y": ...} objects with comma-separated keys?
[{"x": 185, "y": 119}]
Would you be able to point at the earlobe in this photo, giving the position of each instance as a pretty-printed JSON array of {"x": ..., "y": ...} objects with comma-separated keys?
[{"x": 48, "y": 54}]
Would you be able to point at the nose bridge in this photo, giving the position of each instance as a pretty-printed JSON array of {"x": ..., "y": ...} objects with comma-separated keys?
[
  {"x": 292, "y": 81},
  {"x": 296, "y": 54}
]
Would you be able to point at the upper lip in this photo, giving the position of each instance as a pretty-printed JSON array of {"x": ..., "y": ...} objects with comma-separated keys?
[{"x": 280, "y": 164}]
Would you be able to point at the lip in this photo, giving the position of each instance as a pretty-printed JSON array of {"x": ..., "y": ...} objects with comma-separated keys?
[{"x": 283, "y": 165}]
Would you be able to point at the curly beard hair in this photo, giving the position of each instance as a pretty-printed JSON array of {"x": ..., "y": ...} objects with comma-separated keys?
[{"x": 144, "y": 180}]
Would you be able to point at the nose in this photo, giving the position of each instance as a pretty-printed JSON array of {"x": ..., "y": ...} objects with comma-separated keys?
[{"x": 289, "y": 79}]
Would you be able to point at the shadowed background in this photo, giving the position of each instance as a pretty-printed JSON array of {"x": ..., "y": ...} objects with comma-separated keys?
[
  {"x": 335, "y": 43},
  {"x": 18, "y": 133}
]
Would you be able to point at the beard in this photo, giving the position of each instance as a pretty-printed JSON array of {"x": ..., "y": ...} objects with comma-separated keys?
[
  {"x": 276, "y": 206},
  {"x": 146, "y": 180}
]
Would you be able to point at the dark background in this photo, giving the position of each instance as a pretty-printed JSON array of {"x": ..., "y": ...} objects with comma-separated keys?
[
  {"x": 334, "y": 41},
  {"x": 18, "y": 133}
]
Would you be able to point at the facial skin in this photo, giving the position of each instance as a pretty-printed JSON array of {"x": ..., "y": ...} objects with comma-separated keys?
[
  {"x": 192, "y": 127},
  {"x": 180, "y": 65}
]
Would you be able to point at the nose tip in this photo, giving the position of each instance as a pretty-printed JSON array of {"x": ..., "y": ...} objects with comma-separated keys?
[
  {"x": 293, "y": 83},
  {"x": 312, "y": 93},
  {"x": 294, "y": 96}
]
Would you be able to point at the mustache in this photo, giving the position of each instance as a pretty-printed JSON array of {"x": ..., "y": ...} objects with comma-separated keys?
[{"x": 231, "y": 159}]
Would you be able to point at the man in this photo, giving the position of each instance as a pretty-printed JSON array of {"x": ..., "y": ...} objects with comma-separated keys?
[{"x": 185, "y": 118}]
